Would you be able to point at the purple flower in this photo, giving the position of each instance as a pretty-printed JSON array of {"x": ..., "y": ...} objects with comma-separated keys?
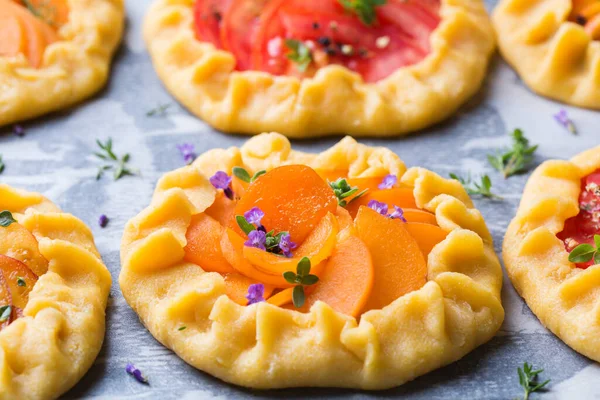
[
  {"x": 563, "y": 118},
  {"x": 256, "y": 239},
  {"x": 286, "y": 245},
  {"x": 136, "y": 373},
  {"x": 187, "y": 152},
  {"x": 103, "y": 221},
  {"x": 381, "y": 208},
  {"x": 254, "y": 215},
  {"x": 255, "y": 293},
  {"x": 220, "y": 180},
  {"x": 398, "y": 214},
  {"x": 19, "y": 130},
  {"x": 388, "y": 182}
]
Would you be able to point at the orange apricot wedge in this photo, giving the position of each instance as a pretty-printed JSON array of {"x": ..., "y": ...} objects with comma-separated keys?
[
  {"x": 53, "y": 12},
  {"x": 347, "y": 280},
  {"x": 398, "y": 263},
  {"x": 12, "y": 36},
  {"x": 416, "y": 215},
  {"x": 19, "y": 279},
  {"x": 344, "y": 218},
  {"x": 18, "y": 243},
  {"x": 318, "y": 246},
  {"x": 204, "y": 245},
  {"x": 232, "y": 246},
  {"x": 401, "y": 197},
  {"x": 577, "y": 6},
  {"x": 294, "y": 199},
  {"x": 5, "y": 299},
  {"x": 592, "y": 27},
  {"x": 426, "y": 235},
  {"x": 236, "y": 288},
  {"x": 282, "y": 298},
  {"x": 222, "y": 209}
]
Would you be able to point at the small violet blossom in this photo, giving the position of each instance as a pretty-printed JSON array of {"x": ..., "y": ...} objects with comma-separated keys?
[
  {"x": 398, "y": 214},
  {"x": 220, "y": 180},
  {"x": 388, "y": 182},
  {"x": 103, "y": 221},
  {"x": 563, "y": 118},
  {"x": 256, "y": 293},
  {"x": 286, "y": 245},
  {"x": 19, "y": 130},
  {"x": 136, "y": 373},
  {"x": 257, "y": 239},
  {"x": 254, "y": 216},
  {"x": 187, "y": 152},
  {"x": 381, "y": 208}
]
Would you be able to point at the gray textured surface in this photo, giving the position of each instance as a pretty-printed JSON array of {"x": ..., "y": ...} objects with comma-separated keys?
[{"x": 55, "y": 159}]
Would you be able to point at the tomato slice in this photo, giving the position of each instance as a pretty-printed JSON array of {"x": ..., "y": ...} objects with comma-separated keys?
[
  {"x": 582, "y": 228},
  {"x": 208, "y": 18}
]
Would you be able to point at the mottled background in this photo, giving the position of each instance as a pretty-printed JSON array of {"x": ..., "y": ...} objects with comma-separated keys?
[{"x": 55, "y": 158}]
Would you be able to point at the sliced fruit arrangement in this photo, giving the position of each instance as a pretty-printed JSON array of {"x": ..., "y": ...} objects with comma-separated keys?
[
  {"x": 29, "y": 26},
  {"x": 582, "y": 228},
  {"x": 19, "y": 258},
  {"x": 297, "y": 37},
  {"x": 294, "y": 236},
  {"x": 587, "y": 13}
]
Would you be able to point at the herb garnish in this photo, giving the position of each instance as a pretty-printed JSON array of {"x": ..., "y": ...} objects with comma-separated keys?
[
  {"x": 182, "y": 328},
  {"x": 2, "y": 165},
  {"x": 118, "y": 164},
  {"x": 243, "y": 175},
  {"x": 528, "y": 379},
  {"x": 258, "y": 236},
  {"x": 6, "y": 219},
  {"x": 21, "y": 282},
  {"x": 300, "y": 54},
  {"x": 343, "y": 190},
  {"x": 364, "y": 9},
  {"x": 5, "y": 313},
  {"x": 484, "y": 188},
  {"x": 136, "y": 373},
  {"x": 516, "y": 159},
  {"x": 586, "y": 252},
  {"x": 256, "y": 293},
  {"x": 301, "y": 278},
  {"x": 159, "y": 111}
]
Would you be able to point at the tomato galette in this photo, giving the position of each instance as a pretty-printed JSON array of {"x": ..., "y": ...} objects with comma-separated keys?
[
  {"x": 315, "y": 67},
  {"x": 54, "y": 53},
  {"x": 552, "y": 249},
  {"x": 268, "y": 268},
  {"x": 554, "y": 45},
  {"x": 53, "y": 293}
]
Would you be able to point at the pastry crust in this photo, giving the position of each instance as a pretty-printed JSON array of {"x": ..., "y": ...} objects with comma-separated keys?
[
  {"x": 73, "y": 68},
  {"x": 264, "y": 346},
  {"x": 556, "y": 58},
  {"x": 48, "y": 350},
  {"x": 564, "y": 298},
  {"x": 336, "y": 100}
]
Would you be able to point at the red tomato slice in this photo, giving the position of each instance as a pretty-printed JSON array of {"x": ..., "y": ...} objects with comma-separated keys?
[{"x": 208, "y": 17}]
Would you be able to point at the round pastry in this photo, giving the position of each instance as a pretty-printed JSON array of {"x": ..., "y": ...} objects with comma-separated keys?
[
  {"x": 311, "y": 68},
  {"x": 338, "y": 269},
  {"x": 554, "y": 45},
  {"x": 54, "y": 53},
  {"x": 550, "y": 251},
  {"x": 53, "y": 293}
]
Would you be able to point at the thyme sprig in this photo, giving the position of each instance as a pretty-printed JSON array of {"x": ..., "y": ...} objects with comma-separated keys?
[
  {"x": 528, "y": 379},
  {"x": 243, "y": 175},
  {"x": 6, "y": 219},
  {"x": 159, "y": 111},
  {"x": 302, "y": 277},
  {"x": 343, "y": 190},
  {"x": 299, "y": 54},
  {"x": 5, "y": 313},
  {"x": 517, "y": 159},
  {"x": 118, "y": 164},
  {"x": 483, "y": 188},
  {"x": 364, "y": 9},
  {"x": 2, "y": 165}
]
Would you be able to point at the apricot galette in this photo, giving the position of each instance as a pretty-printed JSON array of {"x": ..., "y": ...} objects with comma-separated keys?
[
  {"x": 552, "y": 249},
  {"x": 53, "y": 293},
  {"x": 267, "y": 267},
  {"x": 554, "y": 45},
  {"x": 315, "y": 67},
  {"x": 54, "y": 53}
]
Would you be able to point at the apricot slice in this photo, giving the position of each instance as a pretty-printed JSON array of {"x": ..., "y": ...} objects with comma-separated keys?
[
  {"x": 204, "y": 245},
  {"x": 18, "y": 243},
  {"x": 232, "y": 246},
  {"x": 347, "y": 279},
  {"x": 282, "y": 298},
  {"x": 344, "y": 218},
  {"x": 223, "y": 209},
  {"x": 294, "y": 198},
  {"x": 593, "y": 27},
  {"x": 401, "y": 197},
  {"x": 5, "y": 299},
  {"x": 426, "y": 235},
  {"x": 416, "y": 215},
  {"x": 236, "y": 288},
  {"x": 19, "y": 278},
  {"x": 317, "y": 247},
  {"x": 12, "y": 36},
  {"x": 54, "y": 12},
  {"x": 577, "y": 6},
  {"x": 399, "y": 264}
]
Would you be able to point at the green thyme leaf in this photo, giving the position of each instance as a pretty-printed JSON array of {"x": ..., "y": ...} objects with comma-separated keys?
[
  {"x": 298, "y": 297},
  {"x": 290, "y": 277},
  {"x": 303, "y": 268},
  {"x": 484, "y": 188},
  {"x": 244, "y": 225},
  {"x": 300, "y": 54},
  {"x": 517, "y": 159},
  {"x": 5, "y": 313},
  {"x": 528, "y": 379},
  {"x": 258, "y": 175},
  {"x": 6, "y": 219},
  {"x": 364, "y": 9},
  {"x": 342, "y": 190},
  {"x": 582, "y": 253},
  {"x": 161, "y": 110},
  {"x": 2, "y": 165},
  {"x": 182, "y": 328},
  {"x": 241, "y": 174},
  {"x": 310, "y": 280},
  {"x": 21, "y": 282}
]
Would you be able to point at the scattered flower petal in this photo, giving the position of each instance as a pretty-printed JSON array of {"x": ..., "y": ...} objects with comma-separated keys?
[
  {"x": 563, "y": 118},
  {"x": 220, "y": 180},
  {"x": 103, "y": 221},
  {"x": 257, "y": 239},
  {"x": 388, "y": 182},
  {"x": 286, "y": 245},
  {"x": 187, "y": 152},
  {"x": 398, "y": 214},
  {"x": 381, "y": 208},
  {"x": 254, "y": 215},
  {"x": 19, "y": 130},
  {"x": 136, "y": 373},
  {"x": 256, "y": 293}
]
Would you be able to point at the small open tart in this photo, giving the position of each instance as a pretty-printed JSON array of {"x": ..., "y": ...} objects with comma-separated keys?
[
  {"x": 554, "y": 45},
  {"x": 315, "y": 67},
  {"x": 53, "y": 293},
  {"x": 285, "y": 275},
  {"x": 54, "y": 53},
  {"x": 550, "y": 249}
]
